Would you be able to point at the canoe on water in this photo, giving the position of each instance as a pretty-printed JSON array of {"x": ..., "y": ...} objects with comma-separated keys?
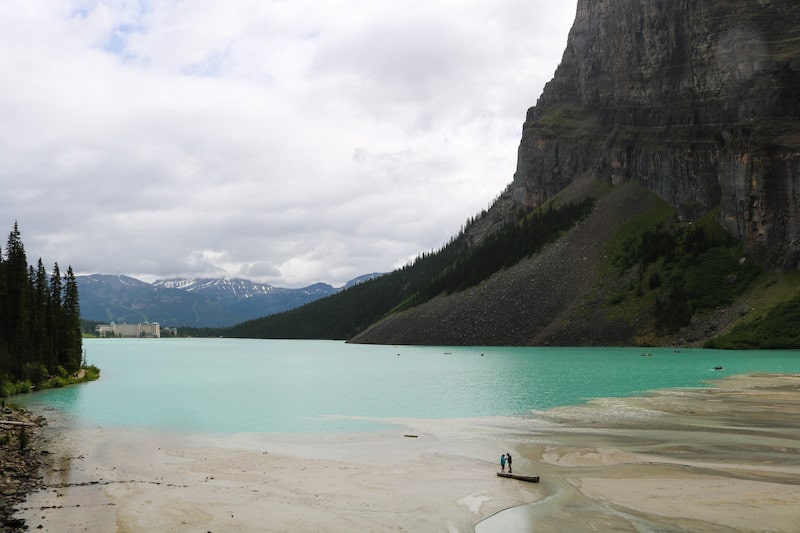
[{"x": 532, "y": 479}]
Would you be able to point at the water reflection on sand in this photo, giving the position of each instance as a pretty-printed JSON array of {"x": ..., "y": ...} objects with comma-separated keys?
[{"x": 717, "y": 459}]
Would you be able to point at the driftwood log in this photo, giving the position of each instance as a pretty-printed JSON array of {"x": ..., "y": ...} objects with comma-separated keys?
[{"x": 530, "y": 479}]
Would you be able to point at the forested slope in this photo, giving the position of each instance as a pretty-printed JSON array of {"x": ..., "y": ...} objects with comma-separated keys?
[
  {"x": 40, "y": 329},
  {"x": 455, "y": 267}
]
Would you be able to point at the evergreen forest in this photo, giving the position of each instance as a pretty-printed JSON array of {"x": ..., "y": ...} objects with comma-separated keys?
[{"x": 40, "y": 327}]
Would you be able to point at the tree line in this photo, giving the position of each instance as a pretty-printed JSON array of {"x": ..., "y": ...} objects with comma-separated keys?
[
  {"x": 454, "y": 267},
  {"x": 505, "y": 248},
  {"x": 40, "y": 327}
]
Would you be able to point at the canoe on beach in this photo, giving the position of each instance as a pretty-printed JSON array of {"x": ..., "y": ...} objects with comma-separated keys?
[{"x": 531, "y": 479}]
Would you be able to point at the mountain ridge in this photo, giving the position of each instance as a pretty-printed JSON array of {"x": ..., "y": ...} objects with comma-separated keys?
[
  {"x": 192, "y": 302},
  {"x": 697, "y": 102},
  {"x": 681, "y": 120}
]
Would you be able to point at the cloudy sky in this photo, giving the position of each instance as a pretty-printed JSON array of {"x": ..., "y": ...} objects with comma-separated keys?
[{"x": 284, "y": 141}]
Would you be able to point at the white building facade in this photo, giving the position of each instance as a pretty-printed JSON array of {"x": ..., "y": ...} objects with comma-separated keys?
[{"x": 146, "y": 329}]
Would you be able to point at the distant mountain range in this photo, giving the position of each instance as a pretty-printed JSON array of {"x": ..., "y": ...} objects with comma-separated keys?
[{"x": 195, "y": 302}]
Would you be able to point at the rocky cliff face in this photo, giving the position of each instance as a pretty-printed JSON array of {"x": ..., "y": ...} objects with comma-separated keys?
[
  {"x": 699, "y": 100},
  {"x": 696, "y": 101}
]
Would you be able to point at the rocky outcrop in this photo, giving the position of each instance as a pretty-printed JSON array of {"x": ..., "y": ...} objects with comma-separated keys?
[
  {"x": 699, "y": 100},
  {"x": 20, "y": 463}
]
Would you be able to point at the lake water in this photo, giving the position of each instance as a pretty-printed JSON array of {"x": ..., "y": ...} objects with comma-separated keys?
[{"x": 237, "y": 385}]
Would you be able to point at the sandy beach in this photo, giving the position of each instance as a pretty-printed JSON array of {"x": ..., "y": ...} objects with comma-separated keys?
[{"x": 722, "y": 458}]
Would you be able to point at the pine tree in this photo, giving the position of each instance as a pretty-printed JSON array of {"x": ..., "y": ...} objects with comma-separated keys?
[
  {"x": 72, "y": 324},
  {"x": 5, "y": 357},
  {"x": 44, "y": 332},
  {"x": 17, "y": 287},
  {"x": 55, "y": 314}
]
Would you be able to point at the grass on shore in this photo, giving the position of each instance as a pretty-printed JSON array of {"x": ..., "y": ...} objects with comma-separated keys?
[{"x": 63, "y": 379}]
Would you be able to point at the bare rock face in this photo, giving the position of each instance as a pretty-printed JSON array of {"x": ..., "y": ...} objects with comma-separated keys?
[{"x": 699, "y": 100}]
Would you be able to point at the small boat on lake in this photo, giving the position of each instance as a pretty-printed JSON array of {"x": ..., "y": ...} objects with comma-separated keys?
[{"x": 530, "y": 479}]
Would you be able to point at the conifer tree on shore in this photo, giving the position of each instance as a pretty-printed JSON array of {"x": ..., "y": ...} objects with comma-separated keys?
[{"x": 40, "y": 333}]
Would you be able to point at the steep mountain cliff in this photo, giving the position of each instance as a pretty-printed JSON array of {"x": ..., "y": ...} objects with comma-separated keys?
[
  {"x": 666, "y": 112},
  {"x": 699, "y": 100}
]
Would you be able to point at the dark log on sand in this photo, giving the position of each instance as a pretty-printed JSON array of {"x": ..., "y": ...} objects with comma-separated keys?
[{"x": 531, "y": 479}]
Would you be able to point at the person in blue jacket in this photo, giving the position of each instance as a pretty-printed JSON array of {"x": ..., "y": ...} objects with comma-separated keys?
[{"x": 503, "y": 462}]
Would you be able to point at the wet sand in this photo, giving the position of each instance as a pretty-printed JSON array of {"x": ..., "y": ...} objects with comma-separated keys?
[{"x": 723, "y": 458}]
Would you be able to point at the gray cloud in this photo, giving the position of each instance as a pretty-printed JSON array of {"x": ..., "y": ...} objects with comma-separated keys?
[{"x": 288, "y": 142}]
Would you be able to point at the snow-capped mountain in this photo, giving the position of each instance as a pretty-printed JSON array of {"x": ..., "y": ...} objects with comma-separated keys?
[
  {"x": 196, "y": 302},
  {"x": 225, "y": 290}
]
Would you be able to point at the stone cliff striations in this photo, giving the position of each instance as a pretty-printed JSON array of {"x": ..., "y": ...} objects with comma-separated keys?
[
  {"x": 695, "y": 103},
  {"x": 698, "y": 100}
]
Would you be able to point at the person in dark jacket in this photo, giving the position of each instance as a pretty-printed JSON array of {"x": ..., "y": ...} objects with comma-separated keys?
[{"x": 508, "y": 460}]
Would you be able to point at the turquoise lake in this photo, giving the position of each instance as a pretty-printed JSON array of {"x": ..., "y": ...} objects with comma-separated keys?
[{"x": 237, "y": 385}]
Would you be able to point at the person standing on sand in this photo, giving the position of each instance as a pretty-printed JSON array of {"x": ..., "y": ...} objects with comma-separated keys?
[
  {"x": 508, "y": 460},
  {"x": 503, "y": 462}
]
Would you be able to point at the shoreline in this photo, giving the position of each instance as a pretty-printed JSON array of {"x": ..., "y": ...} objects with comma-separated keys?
[
  {"x": 722, "y": 457},
  {"x": 717, "y": 458},
  {"x": 21, "y": 462}
]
